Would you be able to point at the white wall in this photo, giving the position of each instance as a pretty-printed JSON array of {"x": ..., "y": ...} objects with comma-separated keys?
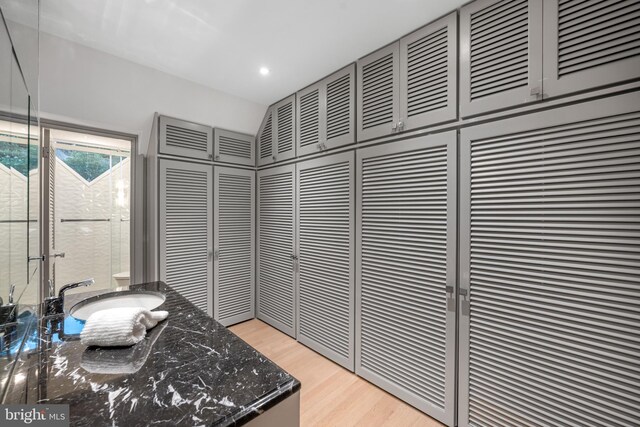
[{"x": 85, "y": 86}]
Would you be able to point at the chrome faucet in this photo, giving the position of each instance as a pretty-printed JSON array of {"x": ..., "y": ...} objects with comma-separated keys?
[{"x": 54, "y": 305}]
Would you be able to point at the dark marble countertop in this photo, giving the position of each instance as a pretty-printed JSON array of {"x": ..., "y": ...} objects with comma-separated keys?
[{"x": 189, "y": 370}]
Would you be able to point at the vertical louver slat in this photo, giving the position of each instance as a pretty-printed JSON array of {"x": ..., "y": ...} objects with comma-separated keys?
[
  {"x": 378, "y": 92},
  {"x": 325, "y": 310},
  {"x": 234, "y": 244},
  {"x": 427, "y": 73},
  {"x": 309, "y": 120},
  {"x": 499, "y": 37},
  {"x": 406, "y": 260},
  {"x": 185, "y": 229},
  {"x": 594, "y": 33},
  {"x": 266, "y": 137},
  {"x": 275, "y": 236},
  {"x": 285, "y": 127},
  {"x": 554, "y": 275},
  {"x": 339, "y": 95}
]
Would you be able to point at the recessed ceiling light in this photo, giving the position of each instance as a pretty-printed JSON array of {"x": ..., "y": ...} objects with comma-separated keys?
[{"x": 264, "y": 71}]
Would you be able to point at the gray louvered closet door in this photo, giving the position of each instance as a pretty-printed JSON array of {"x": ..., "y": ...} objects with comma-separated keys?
[
  {"x": 378, "y": 93},
  {"x": 186, "y": 230},
  {"x": 265, "y": 139},
  {"x": 309, "y": 114},
  {"x": 550, "y": 268},
  {"x": 500, "y": 54},
  {"x": 325, "y": 236},
  {"x": 589, "y": 44},
  {"x": 406, "y": 270},
  {"x": 234, "y": 247},
  {"x": 234, "y": 147},
  {"x": 428, "y": 74},
  {"x": 276, "y": 251},
  {"x": 326, "y": 113},
  {"x": 185, "y": 139},
  {"x": 284, "y": 144},
  {"x": 340, "y": 105}
]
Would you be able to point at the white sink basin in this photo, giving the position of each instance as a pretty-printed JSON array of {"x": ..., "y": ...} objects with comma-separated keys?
[{"x": 146, "y": 299}]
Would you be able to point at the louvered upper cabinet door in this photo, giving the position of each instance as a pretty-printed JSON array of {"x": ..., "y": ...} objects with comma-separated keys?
[
  {"x": 309, "y": 116},
  {"x": 234, "y": 147},
  {"x": 325, "y": 231},
  {"x": 550, "y": 268},
  {"x": 265, "y": 139},
  {"x": 234, "y": 225},
  {"x": 185, "y": 139},
  {"x": 340, "y": 108},
  {"x": 326, "y": 113},
  {"x": 589, "y": 44},
  {"x": 284, "y": 144},
  {"x": 428, "y": 74},
  {"x": 500, "y": 54},
  {"x": 186, "y": 230},
  {"x": 276, "y": 251},
  {"x": 378, "y": 93},
  {"x": 406, "y": 270}
]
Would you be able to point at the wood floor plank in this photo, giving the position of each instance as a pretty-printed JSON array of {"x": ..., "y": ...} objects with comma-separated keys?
[{"x": 331, "y": 395}]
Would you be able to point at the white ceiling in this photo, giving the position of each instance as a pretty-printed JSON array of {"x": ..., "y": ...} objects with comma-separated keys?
[{"x": 223, "y": 44}]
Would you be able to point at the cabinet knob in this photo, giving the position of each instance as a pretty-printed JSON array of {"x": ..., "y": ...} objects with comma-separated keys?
[
  {"x": 274, "y": 158},
  {"x": 536, "y": 91},
  {"x": 394, "y": 127},
  {"x": 210, "y": 156},
  {"x": 400, "y": 126}
]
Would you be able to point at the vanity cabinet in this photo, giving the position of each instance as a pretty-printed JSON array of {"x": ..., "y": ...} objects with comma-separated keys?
[
  {"x": 185, "y": 234},
  {"x": 409, "y": 84},
  {"x": 277, "y": 134},
  {"x": 326, "y": 113},
  {"x": 406, "y": 270},
  {"x": 325, "y": 252},
  {"x": 549, "y": 278},
  {"x": 234, "y": 246},
  {"x": 276, "y": 248},
  {"x": 234, "y": 147},
  {"x": 184, "y": 139}
]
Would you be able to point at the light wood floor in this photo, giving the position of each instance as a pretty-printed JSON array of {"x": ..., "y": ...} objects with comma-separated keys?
[{"x": 331, "y": 395}]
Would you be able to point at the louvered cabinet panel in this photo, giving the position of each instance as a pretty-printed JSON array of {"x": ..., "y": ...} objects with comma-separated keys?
[
  {"x": 186, "y": 230},
  {"x": 406, "y": 270},
  {"x": 276, "y": 275},
  {"x": 284, "y": 112},
  {"x": 589, "y": 44},
  {"x": 550, "y": 264},
  {"x": 234, "y": 147},
  {"x": 500, "y": 54},
  {"x": 378, "y": 93},
  {"x": 185, "y": 139},
  {"x": 340, "y": 109},
  {"x": 326, "y": 113},
  {"x": 428, "y": 74},
  {"x": 325, "y": 236},
  {"x": 310, "y": 116},
  {"x": 234, "y": 245},
  {"x": 265, "y": 139}
]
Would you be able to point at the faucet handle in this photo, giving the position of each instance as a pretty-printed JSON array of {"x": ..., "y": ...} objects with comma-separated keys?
[{"x": 12, "y": 289}]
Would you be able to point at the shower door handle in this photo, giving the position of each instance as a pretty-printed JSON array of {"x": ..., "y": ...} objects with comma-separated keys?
[{"x": 58, "y": 255}]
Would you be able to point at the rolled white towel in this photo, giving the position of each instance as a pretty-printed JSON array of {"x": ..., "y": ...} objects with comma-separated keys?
[{"x": 119, "y": 326}]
